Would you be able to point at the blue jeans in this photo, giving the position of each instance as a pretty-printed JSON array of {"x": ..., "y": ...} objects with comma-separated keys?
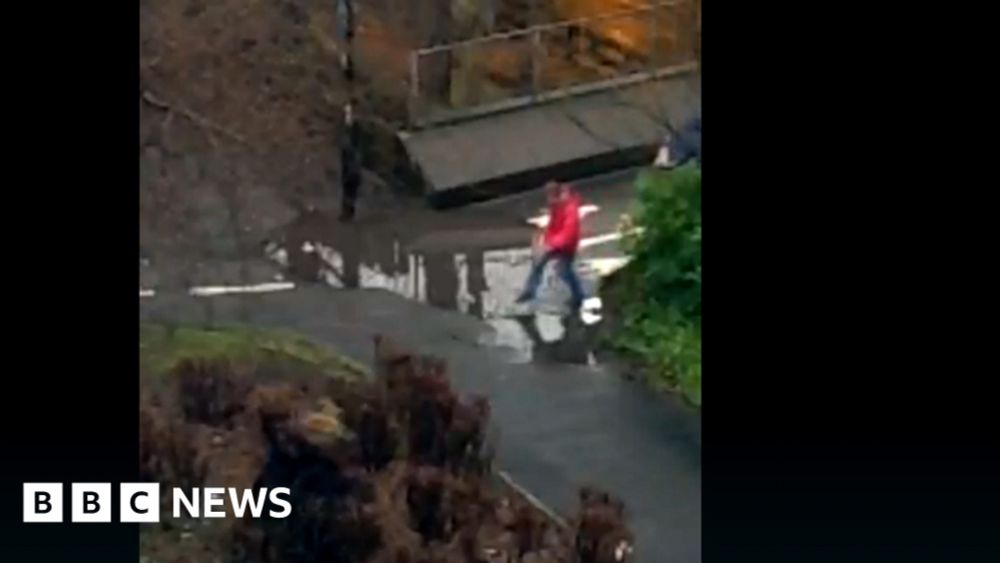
[{"x": 564, "y": 267}]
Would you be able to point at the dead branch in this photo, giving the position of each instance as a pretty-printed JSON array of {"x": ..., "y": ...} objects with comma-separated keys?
[{"x": 157, "y": 102}]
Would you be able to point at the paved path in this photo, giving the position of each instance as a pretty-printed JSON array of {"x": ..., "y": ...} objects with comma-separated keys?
[{"x": 560, "y": 425}]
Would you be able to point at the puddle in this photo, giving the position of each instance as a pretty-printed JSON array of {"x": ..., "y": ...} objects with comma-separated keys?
[{"x": 483, "y": 283}]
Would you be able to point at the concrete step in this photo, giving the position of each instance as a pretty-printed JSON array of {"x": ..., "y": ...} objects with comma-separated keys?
[{"x": 490, "y": 155}]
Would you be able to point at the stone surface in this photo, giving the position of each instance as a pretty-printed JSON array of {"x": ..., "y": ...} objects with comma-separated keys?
[{"x": 581, "y": 130}]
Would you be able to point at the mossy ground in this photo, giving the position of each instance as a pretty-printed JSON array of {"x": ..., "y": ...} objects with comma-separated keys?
[{"x": 162, "y": 348}]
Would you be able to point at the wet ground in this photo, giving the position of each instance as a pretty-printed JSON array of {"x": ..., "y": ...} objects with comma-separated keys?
[{"x": 472, "y": 260}]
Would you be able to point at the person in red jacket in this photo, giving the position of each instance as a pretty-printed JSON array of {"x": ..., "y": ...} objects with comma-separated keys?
[{"x": 561, "y": 240}]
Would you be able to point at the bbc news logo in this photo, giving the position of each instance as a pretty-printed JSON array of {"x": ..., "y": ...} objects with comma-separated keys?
[{"x": 140, "y": 502}]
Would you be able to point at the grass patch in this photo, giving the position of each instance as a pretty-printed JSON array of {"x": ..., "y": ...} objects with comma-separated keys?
[{"x": 161, "y": 348}]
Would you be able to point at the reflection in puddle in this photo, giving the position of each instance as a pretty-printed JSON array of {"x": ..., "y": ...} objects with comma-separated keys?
[{"x": 483, "y": 284}]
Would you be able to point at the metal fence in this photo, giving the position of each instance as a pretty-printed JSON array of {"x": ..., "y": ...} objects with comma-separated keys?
[{"x": 545, "y": 61}]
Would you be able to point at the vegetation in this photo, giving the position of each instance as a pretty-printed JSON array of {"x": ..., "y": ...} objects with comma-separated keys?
[
  {"x": 390, "y": 468},
  {"x": 658, "y": 295},
  {"x": 162, "y": 349}
]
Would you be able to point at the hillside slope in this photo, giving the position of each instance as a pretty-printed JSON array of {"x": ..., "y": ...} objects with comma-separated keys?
[{"x": 239, "y": 105}]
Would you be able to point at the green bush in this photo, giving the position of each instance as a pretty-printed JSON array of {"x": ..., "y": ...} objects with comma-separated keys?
[{"x": 659, "y": 292}]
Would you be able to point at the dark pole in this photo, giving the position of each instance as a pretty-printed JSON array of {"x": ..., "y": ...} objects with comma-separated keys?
[
  {"x": 346, "y": 25},
  {"x": 350, "y": 166}
]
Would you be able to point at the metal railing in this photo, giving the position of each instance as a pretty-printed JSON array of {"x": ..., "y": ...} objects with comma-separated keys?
[{"x": 543, "y": 62}]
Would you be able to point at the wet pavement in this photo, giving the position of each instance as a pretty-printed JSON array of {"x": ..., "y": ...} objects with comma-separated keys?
[{"x": 472, "y": 260}]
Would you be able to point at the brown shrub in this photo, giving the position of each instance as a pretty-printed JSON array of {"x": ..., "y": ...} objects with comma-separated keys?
[{"x": 385, "y": 470}]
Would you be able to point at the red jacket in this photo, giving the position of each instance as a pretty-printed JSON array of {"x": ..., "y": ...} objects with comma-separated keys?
[{"x": 563, "y": 231}]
